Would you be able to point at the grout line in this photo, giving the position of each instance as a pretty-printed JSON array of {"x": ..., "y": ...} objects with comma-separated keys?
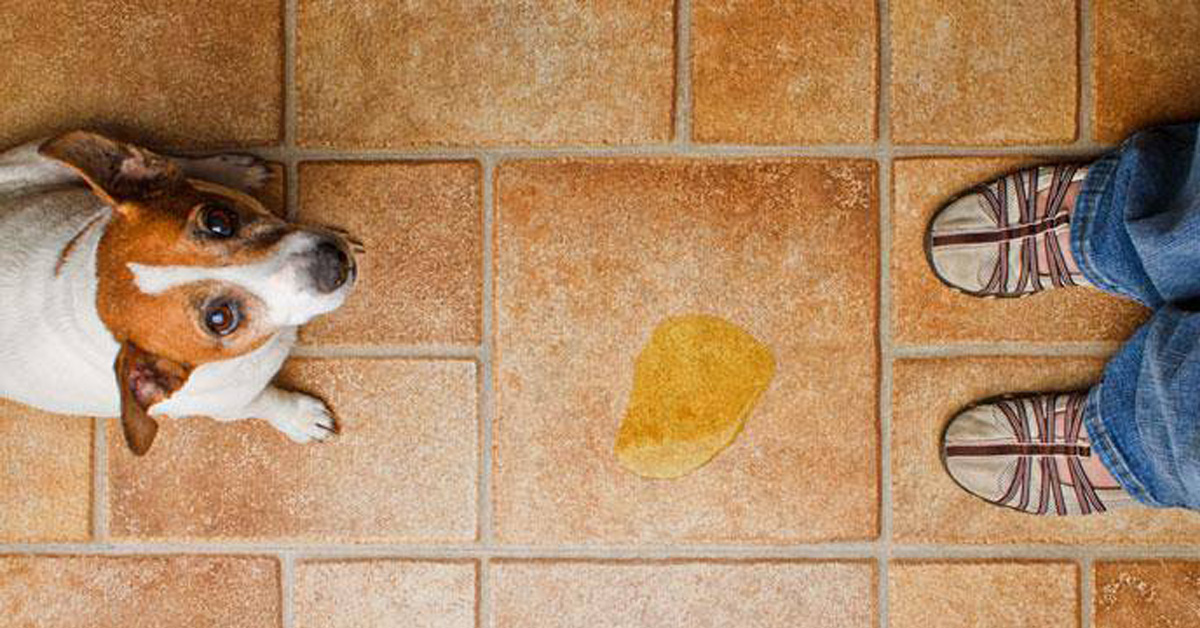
[
  {"x": 1086, "y": 592},
  {"x": 1086, "y": 95},
  {"x": 555, "y": 152},
  {"x": 487, "y": 355},
  {"x": 289, "y": 73},
  {"x": 1085, "y": 138},
  {"x": 1055, "y": 551},
  {"x": 1077, "y": 150},
  {"x": 883, "y": 315},
  {"x": 292, "y": 183},
  {"x": 683, "y": 73},
  {"x": 1100, "y": 349},
  {"x": 487, "y": 405},
  {"x": 288, "y": 153},
  {"x": 903, "y": 351},
  {"x": 1074, "y": 150},
  {"x": 410, "y": 352},
  {"x": 287, "y": 589},
  {"x": 837, "y": 551},
  {"x": 483, "y": 593},
  {"x": 99, "y": 480}
]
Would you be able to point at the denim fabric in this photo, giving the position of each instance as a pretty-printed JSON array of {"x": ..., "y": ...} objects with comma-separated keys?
[{"x": 1135, "y": 231}]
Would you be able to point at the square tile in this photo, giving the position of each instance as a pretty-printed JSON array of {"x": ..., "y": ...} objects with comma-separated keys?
[
  {"x": 104, "y": 591},
  {"x": 421, "y": 278},
  {"x": 592, "y": 255},
  {"x": 175, "y": 73},
  {"x": 930, "y": 508},
  {"x": 1146, "y": 593},
  {"x": 612, "y": 594},
  {"x": 979, "y": 72},
  {"x": 404, "y": 467},
  {"x": 383, "y": 593},
  {"x": 541, "y": 72},
  {"x": 983, "y": 594},
  {"x": 765, "y": 72},
  {"x": 926, "y": 311},
  {"x": 45, "y": 475},
  {"x": 1144, "y": 70}
]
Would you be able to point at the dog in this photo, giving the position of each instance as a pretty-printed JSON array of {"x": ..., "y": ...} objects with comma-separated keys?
[{"x": 137, "y": 285}]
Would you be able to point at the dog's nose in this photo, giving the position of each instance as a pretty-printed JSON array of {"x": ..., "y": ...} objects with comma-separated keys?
[{"x": 331, "y": 267}]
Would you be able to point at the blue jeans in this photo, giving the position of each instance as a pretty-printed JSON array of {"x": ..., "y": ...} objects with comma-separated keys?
[{"x": 1135, "y": 232}]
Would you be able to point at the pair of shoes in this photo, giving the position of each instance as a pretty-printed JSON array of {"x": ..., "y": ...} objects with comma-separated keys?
[{"x": 1027, "y": 452}]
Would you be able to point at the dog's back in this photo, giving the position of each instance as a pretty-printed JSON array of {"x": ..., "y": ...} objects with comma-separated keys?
[{"x": 47, "y": 352}]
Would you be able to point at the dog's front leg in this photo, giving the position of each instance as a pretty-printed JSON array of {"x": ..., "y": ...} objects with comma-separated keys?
[
  {"x": 240, "y": 388},
  {"x": 301, "y": 417}
]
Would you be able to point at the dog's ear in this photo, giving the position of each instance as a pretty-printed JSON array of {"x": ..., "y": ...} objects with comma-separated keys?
[
  {"x": 117, "y": 172},
  {"x": 144, "y": 379}
]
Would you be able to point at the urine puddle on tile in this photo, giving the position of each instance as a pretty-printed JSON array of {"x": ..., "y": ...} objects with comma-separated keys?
[{"x": 694, "y": 384}]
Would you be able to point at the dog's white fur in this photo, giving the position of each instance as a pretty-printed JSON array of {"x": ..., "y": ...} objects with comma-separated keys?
[
  {"x": 277, "y": 281},
  {"x": 57, "y": 355}
]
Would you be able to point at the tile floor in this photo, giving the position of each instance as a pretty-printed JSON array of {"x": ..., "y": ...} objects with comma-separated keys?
[{"x": 539, "y": 183}]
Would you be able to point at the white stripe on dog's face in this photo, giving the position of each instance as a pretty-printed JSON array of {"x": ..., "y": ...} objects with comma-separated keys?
[
  {"x": 198, "y": 273},
  {"x": 282, "y": 281}
]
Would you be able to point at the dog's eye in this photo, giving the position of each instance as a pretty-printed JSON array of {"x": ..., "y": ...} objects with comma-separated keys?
[
  {"x": 219, "y": 220},
  {"x": 221, "y": 318}
]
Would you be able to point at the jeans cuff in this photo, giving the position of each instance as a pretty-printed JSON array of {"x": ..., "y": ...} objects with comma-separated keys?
[
  {"x": 1095, "y": 193},
  {"x": 1103, "y": 445}
]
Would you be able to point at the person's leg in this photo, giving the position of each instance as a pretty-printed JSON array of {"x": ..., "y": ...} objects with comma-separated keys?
[
  {"x": 1135, "y": 229},
  {"x": 1144, "y": 416}
]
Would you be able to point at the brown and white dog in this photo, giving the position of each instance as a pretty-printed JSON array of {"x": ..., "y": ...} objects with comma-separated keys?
[{"x": 137, "y": 285}]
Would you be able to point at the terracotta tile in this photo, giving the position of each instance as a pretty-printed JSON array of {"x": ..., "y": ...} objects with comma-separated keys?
[
  {"x": 404, "y": 467},
  {"x": 1144, "y": 70},
  {"x": 1148, "y": 593},
  {"x": 104, "y": 591},
  {"x": 784, "y": 73},
  {"x": 421, "y": 279},
  {"x": 479, "y": 73},
  {"x": 369, "y": 593},
  {"x": 175, "y": 73},
  {"x": 593, "y": 255},
  {"x": 926, "y": 311},
  {"x": 45, "y": 477},
  {"x": 1029, "y": 595},
  {"x": 603, "y": 594},
  {"x": 930, "y": 508},
  {"x": 975, "y": 72}
]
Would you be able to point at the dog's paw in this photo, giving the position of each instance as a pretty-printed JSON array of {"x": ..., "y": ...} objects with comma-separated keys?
[
  {"x": 240, "y": 172},
  {"x": 306, "y": 419}
]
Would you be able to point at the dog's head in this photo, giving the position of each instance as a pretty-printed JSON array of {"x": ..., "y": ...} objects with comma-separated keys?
[{"x": 190, "y": 272}]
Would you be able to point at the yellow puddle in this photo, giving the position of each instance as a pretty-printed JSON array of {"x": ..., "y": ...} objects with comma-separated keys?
[{"x": 693, "y": 386}]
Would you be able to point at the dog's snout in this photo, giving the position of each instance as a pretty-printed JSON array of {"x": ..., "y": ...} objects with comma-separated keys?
[{"x": 332, "y": 266}]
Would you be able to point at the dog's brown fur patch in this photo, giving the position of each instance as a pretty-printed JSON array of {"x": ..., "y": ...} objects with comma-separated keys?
[
  {"x": 156, "y": 223},
  {"x": 169, "y": 324}
]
